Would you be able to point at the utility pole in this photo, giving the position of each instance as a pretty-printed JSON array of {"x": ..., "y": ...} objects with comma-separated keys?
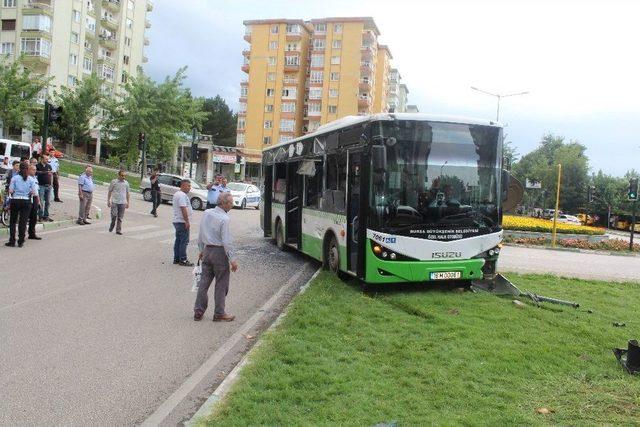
[
  {"x": 632, "y": 196},
  {"x": 633, "y": 225},
  {"x": 142, "y": 145},
  {"x": 555, "y": 213},
  {"x": 194, "y": 148},
  {"x": 45, "y": 126}
]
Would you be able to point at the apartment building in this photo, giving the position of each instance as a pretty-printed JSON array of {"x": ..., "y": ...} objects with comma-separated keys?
[
  {"x": 302, "y": 74},
  {"x": 68, "y": 39}
]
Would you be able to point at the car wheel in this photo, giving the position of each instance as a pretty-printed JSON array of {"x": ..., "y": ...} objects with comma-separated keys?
[
  {"x": 146, "y": 195},
  {"x": 196, "y": 204},
  {"x": 243, "y": 205}
]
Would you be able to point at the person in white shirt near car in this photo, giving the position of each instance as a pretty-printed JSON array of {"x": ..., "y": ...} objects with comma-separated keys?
[{"x": 182, "y": 213}]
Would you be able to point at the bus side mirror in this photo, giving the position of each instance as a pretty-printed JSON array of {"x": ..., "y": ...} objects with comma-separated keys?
[{"x": 379, "y": 158}]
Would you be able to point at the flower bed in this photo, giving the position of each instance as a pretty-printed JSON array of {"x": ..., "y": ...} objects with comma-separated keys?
[
  {"x": 525, "y": 223},
  {"x": 614, "y": 245}
]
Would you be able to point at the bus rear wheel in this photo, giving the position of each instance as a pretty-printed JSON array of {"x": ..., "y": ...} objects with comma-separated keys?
[
  {"x": 332, "y": 256},
  {"x": 280, "y": 236}
]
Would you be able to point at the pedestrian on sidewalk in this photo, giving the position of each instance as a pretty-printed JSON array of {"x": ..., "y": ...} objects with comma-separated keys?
[
  {"x": 182, "y": 213},
  {"x": 218, "y": 258},
  {"x": 213, "y": 191},
  {"x": 155, "y": 192},
  {"x": 35, "y": 206},
  {"x": 118, "y": 201},
  {"x": 5, "y": 167},
  {"x": 14, "y": 171},
  {"x": 45, "y": 178},
  {"x": 21, "y": 188},
  {"x": 85, "y": 194},
  {"x": 55, "y": 167}
]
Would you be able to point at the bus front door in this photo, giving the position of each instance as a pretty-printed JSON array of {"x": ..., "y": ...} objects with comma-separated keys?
[
  {"x": 354, "y": 188},
  {"x": 293, "y": 222}
]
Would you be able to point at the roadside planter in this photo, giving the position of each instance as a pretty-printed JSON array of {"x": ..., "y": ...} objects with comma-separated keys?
[{"x": 559, "y": 236}]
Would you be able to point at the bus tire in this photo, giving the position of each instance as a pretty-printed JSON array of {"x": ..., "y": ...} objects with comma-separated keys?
[
  {"x": 280, "y": 236},
  {"x": 331, "y": 257}
]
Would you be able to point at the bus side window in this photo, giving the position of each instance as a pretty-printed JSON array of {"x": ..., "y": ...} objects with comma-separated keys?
[
  {"x": 334, "y": 197},
  {"x": 280, "y": 184},
  {"x": 313, "y": 188}
]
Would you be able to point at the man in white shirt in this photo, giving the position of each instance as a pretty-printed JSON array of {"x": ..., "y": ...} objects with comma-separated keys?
[
  {"x": 55, "y": 166},
  {"x": 118, "y": 201},
  {"x": 218, "y": 257},
  {"x": 182, "y": 213}
]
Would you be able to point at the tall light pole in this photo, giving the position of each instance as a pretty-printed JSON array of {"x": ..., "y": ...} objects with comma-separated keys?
[{"x": 499, "y": 96}]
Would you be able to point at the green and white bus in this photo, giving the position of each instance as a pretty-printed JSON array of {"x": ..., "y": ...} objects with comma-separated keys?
[{"x": 390, "y": 198}]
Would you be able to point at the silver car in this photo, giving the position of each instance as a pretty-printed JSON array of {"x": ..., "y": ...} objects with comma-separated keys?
[{"x": 169, "y": 184}]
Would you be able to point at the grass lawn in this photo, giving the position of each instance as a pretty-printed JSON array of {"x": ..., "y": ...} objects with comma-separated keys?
[
  {"x": 437, "y": 356},
  {"x": 99, "y": 173}
]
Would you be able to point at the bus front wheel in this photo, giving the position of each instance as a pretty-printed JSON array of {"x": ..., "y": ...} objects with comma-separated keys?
[{"x": 332, "y": 256}]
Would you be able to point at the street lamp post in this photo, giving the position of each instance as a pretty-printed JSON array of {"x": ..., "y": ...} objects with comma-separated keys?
[{"x": 499, "y": 96}]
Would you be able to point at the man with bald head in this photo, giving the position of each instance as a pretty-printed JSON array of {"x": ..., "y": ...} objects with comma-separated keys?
[
  {"x": 218, "y": 259},
  {"x": 85, "y": 194}
]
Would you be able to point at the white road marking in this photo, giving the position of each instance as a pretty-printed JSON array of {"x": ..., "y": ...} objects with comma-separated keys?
[
  {"x": 151, "y": 235},
  {"x": 134, "y": 229},
  {"x": 203, "y": 371}
]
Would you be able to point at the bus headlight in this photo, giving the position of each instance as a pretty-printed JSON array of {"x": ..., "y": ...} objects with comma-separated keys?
[
  {"x": 392, "y": 256},
  {"x": 384, "y": 255},
  {"x": 377, "y": 249}
]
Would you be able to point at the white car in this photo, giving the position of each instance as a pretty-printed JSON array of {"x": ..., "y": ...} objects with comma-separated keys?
[
  {"x": 169, "y": 184},
  {"x": 569, "y": 219},
  {"x": 244, "y": 195}
]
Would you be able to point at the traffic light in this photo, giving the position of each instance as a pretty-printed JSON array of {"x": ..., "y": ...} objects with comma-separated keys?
[
  {"x": 55, "y": 114},
  {"x": 194, "y": 152},
  {"x": 141, "y": 141},
  {"x": 633, "y": 189},
  {"x": 591, "y": 193}
]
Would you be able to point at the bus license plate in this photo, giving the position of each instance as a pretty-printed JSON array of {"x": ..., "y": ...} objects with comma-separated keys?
[{"x": 445, "y": 275}]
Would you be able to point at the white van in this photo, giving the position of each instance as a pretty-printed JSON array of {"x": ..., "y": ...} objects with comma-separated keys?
[{"x": 15, "y": 150}]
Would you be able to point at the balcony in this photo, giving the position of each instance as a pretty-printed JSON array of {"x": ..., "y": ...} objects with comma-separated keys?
[
  {"x": 109, "y": 42},
  {"x": 369, "y": 35},
  {"x": 247, "y": 36},
  {"x": 368, "y": 51},
  {"x": 37, "y": 7},
  {"x": 149, "y": 5},
  {"x": 245, "y": 67},
  {"x": 365, "y": 84},
  {"x": 364, "y": 101},
  {"x": 246, "y": 53},
  {"x": 112, "y": 5},
  {"x": 290, "y": 81},
  {"x": 91, "y": 12},
  {"x": 109, "y": 22},
  {"x": 36, "y": 59},
  {"x": 291, "y": 66},
  {"x": 366, "y": 68},
  {"x": 293, "y": 35},
  {"x": 30, "y": 33},
  {"x": 104, "y": 59}
]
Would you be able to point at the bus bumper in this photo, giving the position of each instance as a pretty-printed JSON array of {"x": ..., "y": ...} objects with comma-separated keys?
[{"x": 381, "y": 271}]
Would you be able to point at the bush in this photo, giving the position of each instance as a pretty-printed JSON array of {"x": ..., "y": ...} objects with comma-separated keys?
[
  {"x": 525, "y": 223},
  {"x": 614, "y": 245}
]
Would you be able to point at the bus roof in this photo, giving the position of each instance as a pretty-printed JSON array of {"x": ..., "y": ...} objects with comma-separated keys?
[{"x": 354, "y": 120}]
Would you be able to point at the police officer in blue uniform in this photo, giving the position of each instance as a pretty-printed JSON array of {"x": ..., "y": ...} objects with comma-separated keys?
[{"x": 22, "y": 188}]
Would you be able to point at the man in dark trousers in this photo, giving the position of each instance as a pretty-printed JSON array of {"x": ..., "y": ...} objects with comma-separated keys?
[
  {"x": 155, "y": 192},
  {"x": 35, "y": 206},
  {"x": 218, "y": 259},
  {"x": 45, "y": 179}
]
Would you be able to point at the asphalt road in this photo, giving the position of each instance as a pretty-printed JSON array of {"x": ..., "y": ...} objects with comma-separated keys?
[{"x": 97, "y": 329}]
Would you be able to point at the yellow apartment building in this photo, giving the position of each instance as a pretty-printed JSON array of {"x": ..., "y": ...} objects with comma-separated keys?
[
  {"x": 303, "y": 74},
  {"x": 68, "y": 39}
]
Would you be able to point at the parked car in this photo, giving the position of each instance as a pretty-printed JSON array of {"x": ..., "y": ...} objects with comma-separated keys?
[
  {"x": 569, "y": 219},
  {"x": 15, "y": 150},
  {"x": 244, "y": 195},
  {"x": 169, "y": 184}
]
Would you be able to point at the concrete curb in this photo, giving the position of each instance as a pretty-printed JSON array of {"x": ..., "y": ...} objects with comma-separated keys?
[
  {"x": 44, "y": 226},
  {"x": 583, "y": 251},
  {"x": 210, "y": 406}
]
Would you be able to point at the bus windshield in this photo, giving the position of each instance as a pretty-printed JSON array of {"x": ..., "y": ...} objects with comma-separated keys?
[{"x": 440, "y": 180}]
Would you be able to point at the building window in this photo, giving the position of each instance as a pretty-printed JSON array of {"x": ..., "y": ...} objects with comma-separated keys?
[
  {"x": 288, "y": 107},
  {"x": 315, "y": 93},
  {"x": 335, "y": 77},
  {"x": 127, "y": 41},
  {"x": 9, "y": 3},
  {"x": 35, "y": 47},
  {"x": 292, "y": 60},
  {"x": 241, "y": 123},
  {"x": 337, "y": 44},
  {"x": 319, "y": 44},
  {"x": 333, "y": 93},
  {"x": 317, "y": 60},
  {"x": 36, "y": 23},
  {"x": 320, "y": 28},
  {"x": 271, "y": 77},
  {"x": 8, "y": 25},
  {"x": 75, "y": 37},
  {"x": 268, "y": 124},
  {"x": 337, "y": 28},
  {"x": 106, "y": 72},
  {"x": 270, "y": 92},
  {"x": 7, "y": 48},
  {"x": 130, "y": 5},
  {"x": 266, "y": 140},
  {"x": 87, "y": 65},
  {"x": 289, "y": 92},
  {"x": 72, "y": 80},
  {"x": 240, "y": 139},
  {"x": 285, "y": 138},
  {"x": 244, "y": 91},
  {"x": 90, "y": 24},
  {"x": 73, "y": 59},
  {"x": 75, "y": 15},
  {"x": 293, "y": 29},
  {"x": 129, "y": 23},
  {"x": 272, "y": 60},
  {"x": 124, "y": 77},
  {"x": 316, "y": 77},
  {"x": 274, "y": 29},
  {"x": 315, "y": 108},
  {"x": 335, "y": 60},
  {"x": 125, "y": 60},
  {"x": 332, "y": 109},
  {"x": 287, "y": 125},
  {"x": 268, "y": 108},
  {"x": 273, "y": 45},
  {"x": 293, "y": 47}
]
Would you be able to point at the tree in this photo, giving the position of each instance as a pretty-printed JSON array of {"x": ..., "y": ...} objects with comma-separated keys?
[
  {"x": 509, "y": 153},
  {"x": 160, "y": 111},
  {"x": 221, "y": 123},
  {"x": 79, "y": 106},
  {"x": 541, "y": 165},
  {"x": 19, "y": 89}
]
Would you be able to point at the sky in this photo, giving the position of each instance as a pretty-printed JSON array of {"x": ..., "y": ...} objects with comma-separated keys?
[{"x": 579, "y": 60}]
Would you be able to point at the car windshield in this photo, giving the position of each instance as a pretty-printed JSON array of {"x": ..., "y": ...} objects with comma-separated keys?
[
  {"x": 440, "y": 180},
  {"x": 236, "y": 186}
]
